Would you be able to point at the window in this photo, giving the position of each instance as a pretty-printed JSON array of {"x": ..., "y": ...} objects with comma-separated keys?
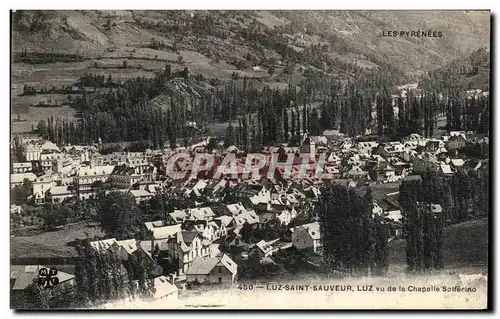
[{"x": 220, "y": 280}]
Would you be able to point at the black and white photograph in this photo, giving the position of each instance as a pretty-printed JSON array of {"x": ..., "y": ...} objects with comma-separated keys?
[{"x": 250, "y": 159}]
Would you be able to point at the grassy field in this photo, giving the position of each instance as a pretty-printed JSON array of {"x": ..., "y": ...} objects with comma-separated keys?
[
  {"x": 60, "y": 74},
  {"x": 35, "y": 114},
  {"x": 380, "y": 190},
  {"x": 63, "y": 74},
  {"x": 25, "y": 102},
  {"x": 465, "y": 246},
  {"x": 52, "y": 244}
]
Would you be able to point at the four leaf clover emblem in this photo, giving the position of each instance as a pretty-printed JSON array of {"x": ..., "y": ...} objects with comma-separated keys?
[{"x": 47, "y": 277}]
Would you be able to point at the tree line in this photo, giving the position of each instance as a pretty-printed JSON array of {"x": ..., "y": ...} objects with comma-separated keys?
[
  {"x": 464, "y": 195},
  {"x": 101, "y": 275},
  {"x": 461, "y": 197},
  {"x": 265, "y": 116},
  {"x": 354, "y": 238},
  {"x": 422, "y": 227}
]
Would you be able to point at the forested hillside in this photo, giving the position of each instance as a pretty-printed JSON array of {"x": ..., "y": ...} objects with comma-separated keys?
[
  {"x": 467, "y": 72},
  {"x": 268, "y": 76}
]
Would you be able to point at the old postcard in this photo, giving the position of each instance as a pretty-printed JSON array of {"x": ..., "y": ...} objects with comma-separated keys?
[{"x": 250, "y": 159}]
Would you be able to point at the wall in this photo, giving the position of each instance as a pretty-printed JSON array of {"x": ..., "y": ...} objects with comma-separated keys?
[
  {"x": 213, "y": 277},
  {"x": 317, "y": 246}
]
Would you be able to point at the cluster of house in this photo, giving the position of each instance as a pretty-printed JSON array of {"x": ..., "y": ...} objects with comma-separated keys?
[
  {"x": 79, "y": 171},
  {"x": 200, "y": 244}
]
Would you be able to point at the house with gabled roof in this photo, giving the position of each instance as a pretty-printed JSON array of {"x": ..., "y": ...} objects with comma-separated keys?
[
  {"x": 457, "y": 162},
  {"x": 236, "y": 240},
  {"x": 34, "y": 149},
  {"x": 286, "y": 215},
  {"x": 197, "y": 189},
  {"x": 234, "y": 209},
  {"x": 164, "y": 289},
  {"x": 123, "y": 176},
  {"x": 204, "y": 227},
  {"x": 180, "y": 215},
  {"x": 445, "y": 169},
  {"x": 383, "y": 172},
  {"x": 269, "y": 248},
  {"x": 456, "y": 141},
  {"x": 164, "y": 232},
  {"x": 140, "y": 195},
  {"x": 154, "y": 224},
  {"x": 307, "y": 236},
  {"x": 226, "y": 224},
  {"x": 185, "y": 247},
  {"x": 88, "y": 176},
  {"x": 22, "y": 276},
  {"x": 249, "y": 217},
  {"x": 267, "y": 220},
  {"x": 59, "y": 193},
  {"x": 212, "y": 270},
  {"x": 41, "y": 186}
]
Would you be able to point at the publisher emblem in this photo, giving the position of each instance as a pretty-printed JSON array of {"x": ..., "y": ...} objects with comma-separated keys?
[{"x": 47, "y": 278}]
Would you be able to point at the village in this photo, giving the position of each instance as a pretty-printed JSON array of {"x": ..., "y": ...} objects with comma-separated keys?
[{"x": 239, "y": 227}]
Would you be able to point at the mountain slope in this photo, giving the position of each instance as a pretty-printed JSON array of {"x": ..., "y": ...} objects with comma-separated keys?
[
  {"x": 465, "y": 245},
  {"x": 462, "y": 32},
  {"x": 470, "y": 72},
  {"x": 220, "y": 35}
]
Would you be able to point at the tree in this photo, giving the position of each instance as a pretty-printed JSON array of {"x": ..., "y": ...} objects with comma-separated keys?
[
  {"x": 55, "y": 215},
  {"x": 212, "y": 144},
  {"x": 314, "y": 123},
  {"x": 119, "y": 215},
  {"x": 19, "y": 194},
  {"x": 353, "y": 239},
  {"x": 100, "y": 275},
  {"x": 179, "y": 59},
  {"x": 41, "y": 128},
  {"x": 422, "y": 229}
]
